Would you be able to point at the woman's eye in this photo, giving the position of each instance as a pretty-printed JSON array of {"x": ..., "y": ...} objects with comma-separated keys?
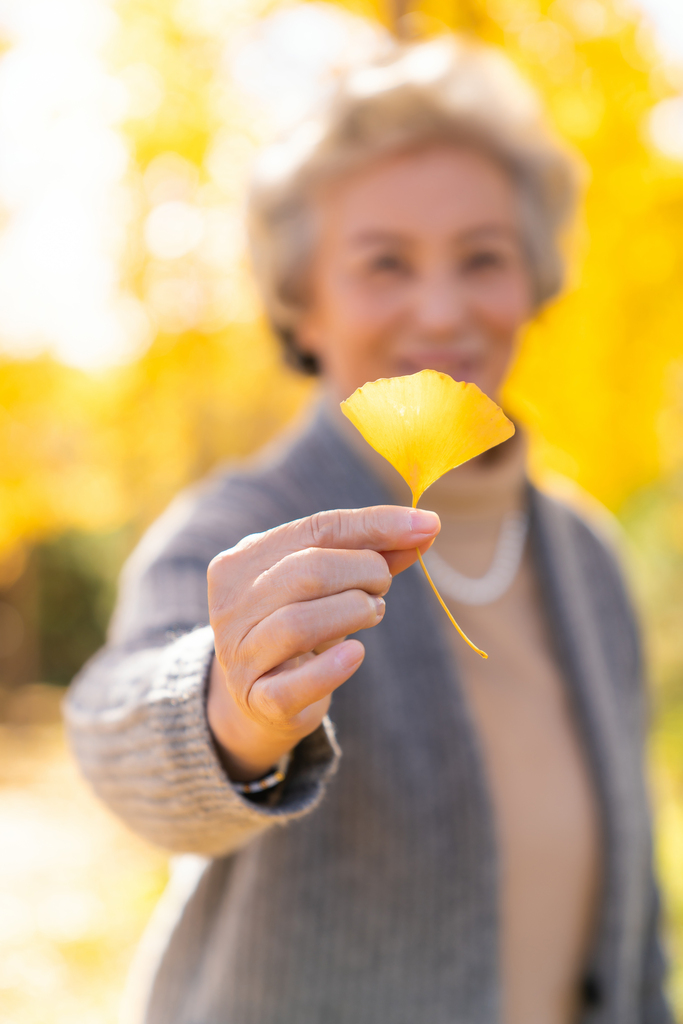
[
  {"x": 388, "y": 263},
  {"x": 486, "y": 259}
]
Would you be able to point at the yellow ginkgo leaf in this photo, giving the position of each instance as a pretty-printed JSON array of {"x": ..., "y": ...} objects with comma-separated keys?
[{"x": 424, "y": 425}]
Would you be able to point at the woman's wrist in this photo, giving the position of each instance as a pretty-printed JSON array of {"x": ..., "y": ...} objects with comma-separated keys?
[{"x": 247, "y": 751}]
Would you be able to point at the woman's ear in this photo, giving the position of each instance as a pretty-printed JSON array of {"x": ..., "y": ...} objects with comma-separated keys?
[{"x": 308, "y": 332}]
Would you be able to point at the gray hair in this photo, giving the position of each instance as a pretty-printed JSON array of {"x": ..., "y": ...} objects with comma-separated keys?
[{"x": 442, "y": 91}]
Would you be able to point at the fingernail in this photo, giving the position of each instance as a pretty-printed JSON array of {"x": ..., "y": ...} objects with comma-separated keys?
[
  {"x": 423, "y": 522},
  {"x": 349, "y": 654},
  {"x": 380, "y": 607}
]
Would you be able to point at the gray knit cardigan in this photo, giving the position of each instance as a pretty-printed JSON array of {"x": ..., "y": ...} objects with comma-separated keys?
[{"x": 367, "y": 892}]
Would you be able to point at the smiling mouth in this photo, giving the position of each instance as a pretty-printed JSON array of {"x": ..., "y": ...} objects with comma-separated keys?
[{"x": 456, "y": 365}]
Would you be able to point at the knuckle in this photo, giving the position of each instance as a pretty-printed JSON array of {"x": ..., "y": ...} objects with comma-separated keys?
[
  {"x": 226, "y": 562},
  {"x": 315, "y": 577},
  {"x": 380, "y": 570},
  {"x": 222, "y": 567},
  {"x": 236, "y": 669},
  {"x": 355, "y": 606},
  {"x": 328, "y": 571},
  {"x": 269, "y": 706},
  {"x": 302, "y": 573},
  {"x": 312, "y": 573},
  {"x": 294, "y": 628},
  {"x": 376, "y": 523},
  {"x": 325, "y": 527},
  {"x": 217, "y": 566},
  {"x": 250, "y": 541}
]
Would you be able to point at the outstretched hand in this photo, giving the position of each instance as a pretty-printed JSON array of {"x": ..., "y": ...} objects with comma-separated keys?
[{"x": 281, "y": 604}]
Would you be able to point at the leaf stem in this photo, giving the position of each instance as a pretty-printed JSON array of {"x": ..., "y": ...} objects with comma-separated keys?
[{"x": 467, "y": 640}]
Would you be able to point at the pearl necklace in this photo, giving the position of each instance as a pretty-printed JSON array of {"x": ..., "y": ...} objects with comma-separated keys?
[{"x": 498, "y": 579}]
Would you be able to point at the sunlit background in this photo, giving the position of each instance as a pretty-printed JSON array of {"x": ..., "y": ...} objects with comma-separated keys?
[{"x": 133, "y": 359}]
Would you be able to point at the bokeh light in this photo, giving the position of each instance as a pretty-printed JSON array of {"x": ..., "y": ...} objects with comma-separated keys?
[{"x": 62, "y": 166}]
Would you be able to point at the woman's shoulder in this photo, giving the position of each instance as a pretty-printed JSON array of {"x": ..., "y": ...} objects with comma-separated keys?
[
  {"x": 238, "y": 498},
  {"x": 305, "y": 469}
]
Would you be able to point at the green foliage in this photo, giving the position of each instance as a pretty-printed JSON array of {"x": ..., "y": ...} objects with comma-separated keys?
[{"x": 76, "y": 590}]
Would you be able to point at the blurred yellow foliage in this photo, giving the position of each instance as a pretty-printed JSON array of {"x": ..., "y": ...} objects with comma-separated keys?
[
  {"x": 599, "y": 377},
  {"x": 594, "y": 378},
  {"x": 93, "y": 452}
]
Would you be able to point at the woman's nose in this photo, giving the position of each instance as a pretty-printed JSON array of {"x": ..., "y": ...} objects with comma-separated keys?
[{"x": 440, "y": 305}]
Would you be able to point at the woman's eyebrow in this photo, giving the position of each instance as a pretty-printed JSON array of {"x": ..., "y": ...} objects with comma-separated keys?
[
  {"x": 383, "y": 236},
  {"x": 489, "y": 229},
  {"x": 378, "y": 236}
]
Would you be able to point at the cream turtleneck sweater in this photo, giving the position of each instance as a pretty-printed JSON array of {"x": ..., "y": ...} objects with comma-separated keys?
[{"x": 544, "y": 803}]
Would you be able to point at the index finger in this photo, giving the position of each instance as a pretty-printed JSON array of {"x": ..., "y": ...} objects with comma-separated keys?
[{"x": 380, "y": 527}]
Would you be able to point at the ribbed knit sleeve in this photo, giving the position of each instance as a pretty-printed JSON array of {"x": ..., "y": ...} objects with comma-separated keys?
[
  {"x": 136, "y": 714},
  {"x": 137, "y": 724}
]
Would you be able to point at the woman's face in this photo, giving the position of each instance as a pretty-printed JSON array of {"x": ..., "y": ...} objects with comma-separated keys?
[{"x": 419, "y": 265}]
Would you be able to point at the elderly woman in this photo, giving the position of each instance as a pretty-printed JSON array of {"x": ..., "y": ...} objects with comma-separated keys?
[{"x": 460, "y": 841}]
